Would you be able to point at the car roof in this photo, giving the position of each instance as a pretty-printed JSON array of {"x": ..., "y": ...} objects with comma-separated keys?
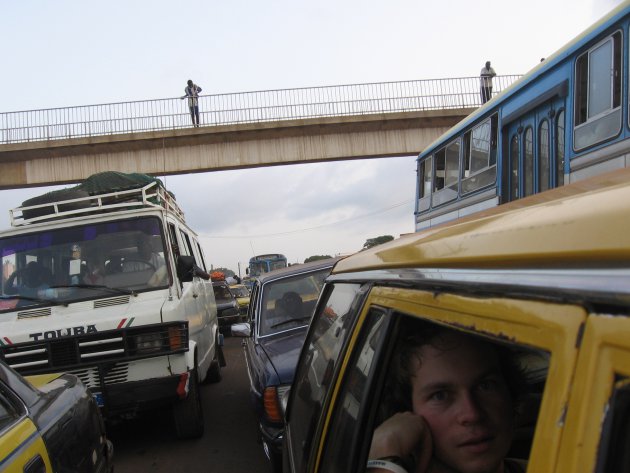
[
  {"x": 585, "y": 224},
  {"x": 297, "y": 269}
]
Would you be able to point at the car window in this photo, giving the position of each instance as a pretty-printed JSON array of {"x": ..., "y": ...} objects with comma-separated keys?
[
  {"x": 347, "y": 425},
  {"x": 372, "y": 390},
  {"x": 253, "y": 300},
  {"x": 600, "y": 398},
  {"x": 314, "y": 373},
  {"x": 510, "y": 380},
  {"x": 8, "y": 413},
  {"x": 240, "y": 291},
  {"x": 289, "y": 302},
  {"x": 614, "y": 454}
]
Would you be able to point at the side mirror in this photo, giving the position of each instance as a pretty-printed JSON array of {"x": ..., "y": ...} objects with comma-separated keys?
[
  {"x": 185, "y": 268},
  {"x": 241, "y": 330}
]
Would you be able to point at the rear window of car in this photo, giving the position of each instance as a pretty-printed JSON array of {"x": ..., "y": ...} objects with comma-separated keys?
[
  {"x": 222, "y": 293},
  {"x": 289, "y": 303}
]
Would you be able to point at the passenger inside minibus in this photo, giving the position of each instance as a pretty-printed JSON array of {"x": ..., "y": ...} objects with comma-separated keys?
[{"x": 457, "y": 402}]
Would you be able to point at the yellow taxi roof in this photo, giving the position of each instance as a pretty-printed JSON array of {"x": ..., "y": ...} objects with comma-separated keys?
[{"x": 582, "y": 224}]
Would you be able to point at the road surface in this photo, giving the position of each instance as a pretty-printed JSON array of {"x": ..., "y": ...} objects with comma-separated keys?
[{"x": 229, "y": 444}]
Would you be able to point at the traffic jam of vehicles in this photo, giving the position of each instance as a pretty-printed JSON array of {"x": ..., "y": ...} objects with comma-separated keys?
[{"x": 493, "y": 339}]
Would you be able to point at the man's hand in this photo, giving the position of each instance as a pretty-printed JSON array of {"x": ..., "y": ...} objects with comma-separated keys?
[{"x": 405, "y": 434}]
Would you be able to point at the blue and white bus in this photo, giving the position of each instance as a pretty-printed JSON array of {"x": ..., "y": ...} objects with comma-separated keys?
[
  {"x": 264, "y": 263},
  {"x": 564, "y": 121}
]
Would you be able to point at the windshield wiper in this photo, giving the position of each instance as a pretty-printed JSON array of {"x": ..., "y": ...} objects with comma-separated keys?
[
  {"x": 115, "y": 290},
  {"x": 288, "y": 321}
]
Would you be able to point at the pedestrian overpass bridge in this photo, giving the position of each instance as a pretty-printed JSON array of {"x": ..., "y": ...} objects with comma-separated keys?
[{"x": 239, "y": 130}]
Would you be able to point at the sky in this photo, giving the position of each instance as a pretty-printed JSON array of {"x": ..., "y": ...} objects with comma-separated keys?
[{"x": 77, "y": 52}]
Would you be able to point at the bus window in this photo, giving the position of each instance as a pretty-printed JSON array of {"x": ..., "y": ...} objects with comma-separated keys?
[
  {"x": 598, "y": 93},
  {"x": 543, "y": 156},
  {"x": 514, "y": 167},
  {"x": 560, "y": 149},
  {"x": 528, "y": 162},
  {"x": 425, "y": 179},
  {"x": 480, "y": 156},
  {"x": 446, "y": 173}
]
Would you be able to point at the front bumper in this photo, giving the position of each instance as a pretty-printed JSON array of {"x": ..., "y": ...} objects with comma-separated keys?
[
  {"x": 129, "y": 398},
  {"x": 273, "y": 437}
]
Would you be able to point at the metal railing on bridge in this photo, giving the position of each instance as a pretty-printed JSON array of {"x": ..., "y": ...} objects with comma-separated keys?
[{"x": 244, "y": 107}]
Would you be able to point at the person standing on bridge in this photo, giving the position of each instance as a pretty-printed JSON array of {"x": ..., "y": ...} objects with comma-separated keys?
[
  {"x": 487, "y": 73},
  {"x": 192, "y": 92}
]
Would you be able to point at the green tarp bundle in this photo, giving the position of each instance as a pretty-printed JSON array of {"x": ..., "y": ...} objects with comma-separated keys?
[{"x": 101, "y": 183}]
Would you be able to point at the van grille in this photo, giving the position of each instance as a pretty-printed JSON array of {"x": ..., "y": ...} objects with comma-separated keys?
[
  {"x": 81, "y": 352},
  {"x": 89, "y": 376}
]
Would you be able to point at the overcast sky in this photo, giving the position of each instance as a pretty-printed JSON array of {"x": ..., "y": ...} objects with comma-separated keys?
[{"x": 69, "y": 52}]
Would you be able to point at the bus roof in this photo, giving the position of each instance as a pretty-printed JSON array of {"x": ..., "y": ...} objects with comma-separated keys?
[
  {"x": 549, "y": 63},
  {"x": 584, "y": 223},
  {"x": 266, "y": 257}
]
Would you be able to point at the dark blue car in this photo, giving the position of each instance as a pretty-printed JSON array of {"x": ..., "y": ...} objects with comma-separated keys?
[{"x": 281, "y": 305}]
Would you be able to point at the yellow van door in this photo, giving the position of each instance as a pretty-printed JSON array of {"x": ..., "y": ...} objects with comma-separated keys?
[
  {"x": 598, "y": 418},
  {"x": 22, "y": 449}
]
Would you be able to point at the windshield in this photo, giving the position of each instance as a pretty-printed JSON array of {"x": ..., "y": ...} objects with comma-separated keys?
[
  {"x": 63, "y": 265},
  {"x": 222, "y": 293},
  {"x": 239, "y": 291},
  {"x": 289, "y": 302},
  {"x": 256, "y": 268}
]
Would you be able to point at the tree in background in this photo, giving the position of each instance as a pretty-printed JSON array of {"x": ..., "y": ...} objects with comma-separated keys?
[
  {"x": 370, "y": 242},
  {"x": 316, "y": 258}
]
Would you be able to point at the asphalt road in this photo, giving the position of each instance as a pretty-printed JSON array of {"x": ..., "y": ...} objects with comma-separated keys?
[{"x": 230, "y": 442}]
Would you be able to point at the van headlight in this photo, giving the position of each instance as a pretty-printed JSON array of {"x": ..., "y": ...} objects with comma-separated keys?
[
  {"x": 149, "y": 342},
  {"x": 158, "y": 339}
]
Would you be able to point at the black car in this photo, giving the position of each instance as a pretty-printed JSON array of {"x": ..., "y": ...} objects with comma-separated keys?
[
  {"x": 50, "y": 423},
  {"x": 280, "y": 309},
  {"x": 227, "y": 306}
]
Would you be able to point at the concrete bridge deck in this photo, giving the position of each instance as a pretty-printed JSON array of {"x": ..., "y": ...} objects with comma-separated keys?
[{"x": 268, "y": 128}]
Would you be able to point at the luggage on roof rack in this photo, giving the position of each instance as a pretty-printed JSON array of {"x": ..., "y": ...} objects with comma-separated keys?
[{"x": 108, "y": 191}]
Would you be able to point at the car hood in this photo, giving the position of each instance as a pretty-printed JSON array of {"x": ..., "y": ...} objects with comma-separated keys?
[
  {"x": 282, "y": 351},
  {"x": 39, "y": 380}
]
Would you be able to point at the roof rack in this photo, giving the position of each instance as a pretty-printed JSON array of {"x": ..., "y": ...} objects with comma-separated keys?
[{"x": 151, "y": 195}]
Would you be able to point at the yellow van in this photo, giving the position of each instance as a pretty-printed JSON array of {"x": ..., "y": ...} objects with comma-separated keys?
[{"x": 543, "y": 282}]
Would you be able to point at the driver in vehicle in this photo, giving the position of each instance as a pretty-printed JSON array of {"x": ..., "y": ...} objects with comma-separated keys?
[
  {"x": 287, "y": 312},
  {"x": 146, "y": 259},
  {"x": 32, "y": 278}
]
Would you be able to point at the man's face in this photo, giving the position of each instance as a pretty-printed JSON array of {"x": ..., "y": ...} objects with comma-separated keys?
[
  {"x": 460, "y": 391},
  {"x": 488, "y": 65}
]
